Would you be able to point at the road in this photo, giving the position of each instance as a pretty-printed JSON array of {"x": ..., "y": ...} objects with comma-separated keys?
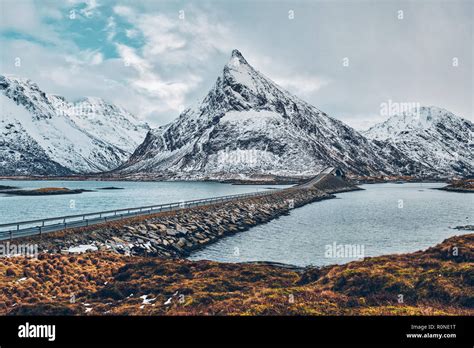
[
  {"x": 37, "y": 227},
  {"x": 318, "y": 178}
]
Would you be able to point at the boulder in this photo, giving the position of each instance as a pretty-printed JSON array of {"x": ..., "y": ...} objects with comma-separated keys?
[
  {"x": 171, "y": 232},
  {"x": 161, "y": 227},
  {"x": 181, "y": 242},
  {"x": 118, "y": 240}
]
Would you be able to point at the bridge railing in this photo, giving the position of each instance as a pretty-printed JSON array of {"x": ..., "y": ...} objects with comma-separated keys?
[{"x": 39, "y": 226}]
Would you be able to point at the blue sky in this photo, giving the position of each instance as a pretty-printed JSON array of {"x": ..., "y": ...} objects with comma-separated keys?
[{"x": 157, "y": 57}]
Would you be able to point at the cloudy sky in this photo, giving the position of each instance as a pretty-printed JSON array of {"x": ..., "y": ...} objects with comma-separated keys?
[{"x": 157, "y": 57}]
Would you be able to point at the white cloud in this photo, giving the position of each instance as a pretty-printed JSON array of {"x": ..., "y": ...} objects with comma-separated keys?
[
  {"x": 111, "y": 28},
  {"x": 177, "y": 41},
  {"x": 90, "y": 9},
  {"x": 168, "y": 95},
  {"x": 162, "y": 34},
  {"x": 124, "y": 11},
  {"x": 84, "y": 58},
  {"x": 131, "y": 33},
  {"x": 301, "y": 85},
  {"x": 155, "y": 80},
  {"x": 27, "y": 17},
  {"x": 131, "y": 58},
  {"x": 174, "y": 49},
  {"x": 304, "y": 86}
]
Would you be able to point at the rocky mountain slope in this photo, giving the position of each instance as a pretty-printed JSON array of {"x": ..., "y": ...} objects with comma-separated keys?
[
  {"x": 441, "y": 141},
  {"x": 249, "y": 125},
  {"x": 44, "y": 134},
  {"x": 245, "y": 126}
]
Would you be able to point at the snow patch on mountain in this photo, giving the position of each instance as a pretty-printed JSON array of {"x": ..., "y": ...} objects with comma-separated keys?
[
  {"x": 105, "y": 121},
  {"x": 84, "y": 137}
]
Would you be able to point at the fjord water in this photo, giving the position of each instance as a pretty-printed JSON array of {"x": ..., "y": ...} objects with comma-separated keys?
[
  {"x": 384, "y": 219},
  {"x": 134, "y": 194}
]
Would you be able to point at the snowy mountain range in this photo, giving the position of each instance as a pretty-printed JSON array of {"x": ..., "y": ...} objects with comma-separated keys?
[
  {"x": 245, "y": 126},
  {"x": 44, "y": 134},
  {"x": 439, "y": 140},
  {"x": 248, "y": 125}
]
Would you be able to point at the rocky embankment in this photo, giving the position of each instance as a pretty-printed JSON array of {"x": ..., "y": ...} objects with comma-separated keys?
[
  {"x": 176, "y": 234},
  {"x": 437, "y": 281}
]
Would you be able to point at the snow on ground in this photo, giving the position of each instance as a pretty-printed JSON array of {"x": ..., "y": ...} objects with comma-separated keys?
[{"x": 82, "y": 248}]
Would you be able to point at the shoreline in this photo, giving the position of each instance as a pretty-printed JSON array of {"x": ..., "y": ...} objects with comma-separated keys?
[
  {"x": 226, "y": 181},
  {"x": 274, "y": 180},
  {"x": 455, "y": 189},
  {"x": 237, "y": 181},
  {"x": 434, "y": 281}
]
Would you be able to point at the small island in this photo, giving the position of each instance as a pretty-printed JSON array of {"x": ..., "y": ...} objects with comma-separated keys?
[
  {"x": 464, "y": 185},
  {"x": 46, "y": 191},
  {"x": 5, "y": 187}
]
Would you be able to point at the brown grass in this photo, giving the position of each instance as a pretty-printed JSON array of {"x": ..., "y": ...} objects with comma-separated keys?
[
  {"x": 433, "y": 282},
  {"x": 467, "y": 184},
  {"x": 52, "y": 189}
]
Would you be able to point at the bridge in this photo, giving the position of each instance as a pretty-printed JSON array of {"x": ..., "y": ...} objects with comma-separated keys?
[
  {"x": 10, "y": 231},
  {"x": 314, "y": 181}
]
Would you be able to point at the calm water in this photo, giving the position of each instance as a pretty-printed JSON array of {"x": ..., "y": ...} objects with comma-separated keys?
[
  {"x": 134, "y": 194},
  {"x": 384, "y": 219}
]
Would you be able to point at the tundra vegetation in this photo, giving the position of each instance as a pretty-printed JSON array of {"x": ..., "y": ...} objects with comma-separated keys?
[{"x": 437, "y": 281}]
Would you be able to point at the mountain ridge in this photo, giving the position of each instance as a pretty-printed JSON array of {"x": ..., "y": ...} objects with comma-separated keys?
[
  {"x": 432, "y": 136},
  {"x": 60, "y": 137},
  {"x": 248, "y": 125}
]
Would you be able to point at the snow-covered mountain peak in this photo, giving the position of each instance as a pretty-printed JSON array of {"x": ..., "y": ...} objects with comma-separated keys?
[
  {"x": 57, "y": 136},
  {"x": 91, "y": 101},
  {"x": 238, "y": 71},
  {"x": 8, "y": 79},
  {"x": 247, "y": 124},
  {"x": 432, "y": 136},
  {"x": 425, "y": 116},
  {"x": 236, "y": 59},
  {"x": 419, "y": 119},
  {"x": 241, "y": 87},
  {"x": 27, "y": 93},
  {"x": 14, "y": 79}
]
